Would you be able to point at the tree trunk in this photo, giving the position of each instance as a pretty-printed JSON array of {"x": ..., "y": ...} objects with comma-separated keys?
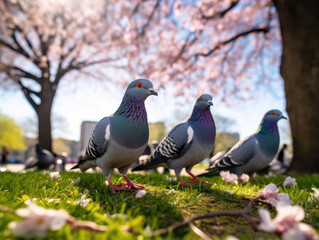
[
  {"x": 300, "y": 71},
  {"x": 44, "y": 117}
]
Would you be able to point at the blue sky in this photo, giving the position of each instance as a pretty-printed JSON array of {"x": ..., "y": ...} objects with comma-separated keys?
[{"x": 95, "y": 100}]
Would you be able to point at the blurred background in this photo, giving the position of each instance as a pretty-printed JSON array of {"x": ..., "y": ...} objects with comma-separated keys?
[{"x": 64, "y": 65}]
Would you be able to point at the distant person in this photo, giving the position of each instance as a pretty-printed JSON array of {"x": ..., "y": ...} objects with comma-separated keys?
[
  {"x": 4, "y": 155},
  {"x": 282, "y": 155}
]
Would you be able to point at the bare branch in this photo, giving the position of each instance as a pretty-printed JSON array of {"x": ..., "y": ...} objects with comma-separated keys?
[
  {"x": 83, "y": 64},
  {"x": 137, "y": 7},
  {"x": 144, "y": 27},
  {"x": 3, "y": 43},
  {"x": 27, "y": 93},
  {"x": 22, "y": 51},
  {"x": 27, "y": 74},
  {"x": 242, "y": 34},
  {"x": 221, "y": 13},
  {"x": 239, "y": 213}
]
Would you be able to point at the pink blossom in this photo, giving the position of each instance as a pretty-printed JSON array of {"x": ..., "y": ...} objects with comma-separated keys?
[
  {"x": 84, "y": 201},
  {"x": 287, "y": 222},
  {"x": 300, "y": 231},
  {"x": 269, "y": 193},
  {"x": 140, "y": 194},
  {"x": 37, "y": 221},
  {"x": 170, "y": 179},
  {"x": 244, "y": 178},
  {"x": 229, "y": 177},
  {"x": 77, "y": 180},
  {"x": 266, "y": 224},
  {"x": 316, "y": 194},
  {"x": 290, "y": 181},
  {"x": 54, "y": 175},
  {"x": 171, "y": 191}
]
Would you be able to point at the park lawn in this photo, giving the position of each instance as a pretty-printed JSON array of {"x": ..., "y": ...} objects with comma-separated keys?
[{"x": 157, "y": 209}]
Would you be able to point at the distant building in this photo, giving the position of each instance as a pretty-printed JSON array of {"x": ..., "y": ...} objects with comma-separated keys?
[{"x": 87, "y": 128}]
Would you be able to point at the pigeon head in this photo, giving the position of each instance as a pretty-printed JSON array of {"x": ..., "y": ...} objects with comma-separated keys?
[
  {"x": 204, "y": 101},
  {"x": 141, "y": 89},
  {"x": 274, "y": 115},
  {"x": 201, "y": 109}
]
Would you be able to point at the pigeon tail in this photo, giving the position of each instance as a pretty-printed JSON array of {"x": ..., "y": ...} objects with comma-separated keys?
[
  {"x": 145, "y": 165},
  {"x": 210, "y": 172},
  {"x": 75, "y": 167},
  {"x": 84, "y": 165}
]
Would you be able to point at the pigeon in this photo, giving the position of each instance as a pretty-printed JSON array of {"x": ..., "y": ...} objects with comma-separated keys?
[
  {"x": 253, "y": 153},
  {"x": 187, "y": 144},
  {"x": 118, "y": 140},
  {"x": 44, "y": 159}
]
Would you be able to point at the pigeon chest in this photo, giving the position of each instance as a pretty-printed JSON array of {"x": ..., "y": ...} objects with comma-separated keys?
[
  {"x": 268, "y": 144},
  {"x": 118, "y": 156},
  {"x": 129, "y": 134},
  {"x": 195, "y": 154}
]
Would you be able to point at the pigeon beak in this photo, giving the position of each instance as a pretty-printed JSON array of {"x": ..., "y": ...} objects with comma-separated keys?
[
  {"x": 152, "y": 91},
  {"x": 282, "y": 116},
  {"x": 210, "y": 102}
]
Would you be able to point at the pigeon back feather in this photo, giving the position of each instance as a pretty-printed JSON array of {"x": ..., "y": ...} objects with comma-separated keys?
[{"x": 173, "y": 146}]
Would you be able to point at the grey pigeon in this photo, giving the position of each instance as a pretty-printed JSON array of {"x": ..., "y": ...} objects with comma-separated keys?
[
  {"x": 118, "y": 140},
  {"x": 188, "y": 143},
  {"x": 252, "y": 153}
]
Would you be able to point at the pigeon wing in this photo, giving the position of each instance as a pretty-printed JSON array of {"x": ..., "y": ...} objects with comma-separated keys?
[
  {"x": 99, "y": 140},
  {"x": 239, "y": 154},
  {"x": 173, "y": 146}
]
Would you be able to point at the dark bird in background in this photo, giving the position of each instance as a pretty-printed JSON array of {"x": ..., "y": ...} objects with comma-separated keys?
[{"x": 43, "y": 160}]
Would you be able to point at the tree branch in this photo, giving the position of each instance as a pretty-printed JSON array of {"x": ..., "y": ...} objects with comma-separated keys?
[
  {"x": 27, "y": 74},
  {"x": 156, "y": 6},
  {"x": 3, "y": 43},
  {"x": 221, "y": 13},
  {"x": 27, "y": 93},
  {"x": 242, "y": 34},
  {"x": 22, "y": 51},
  {"x": 239, "y": 213}
]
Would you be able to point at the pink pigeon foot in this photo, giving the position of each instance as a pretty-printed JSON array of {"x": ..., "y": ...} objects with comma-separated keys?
[
  {"x": 254, "y": 180},
  {"x": 132, "y": 185},
  {"x": 194, "y": 178},
  {"x": 114, "y": 187},
  {"x": 183, "y": 183}
]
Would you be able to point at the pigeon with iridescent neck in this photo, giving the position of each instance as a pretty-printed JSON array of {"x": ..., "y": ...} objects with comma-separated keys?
[
  {"x": 188, "y": 143},
  {"x": 118, "y": 140},
  {"x": 252, "y": 153}
]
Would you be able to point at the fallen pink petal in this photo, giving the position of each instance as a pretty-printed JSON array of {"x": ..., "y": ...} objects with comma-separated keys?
[
  {"x": 140, "y": 194},
  {"x": 289, "y": 181}
]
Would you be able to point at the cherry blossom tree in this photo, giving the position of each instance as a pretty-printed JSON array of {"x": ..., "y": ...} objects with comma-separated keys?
[
  {"x": 43, "y": 41},
  {"x": 228, "y": 48}
]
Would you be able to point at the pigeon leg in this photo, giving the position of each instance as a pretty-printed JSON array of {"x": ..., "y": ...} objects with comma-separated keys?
[
  {"x": 132, "y": 185},
  {"x": 253, "y": 179},
  {"x": 183, "y": 183},
  {"x": 114, "y": 187},
  {"x": 194, "y": 178}
]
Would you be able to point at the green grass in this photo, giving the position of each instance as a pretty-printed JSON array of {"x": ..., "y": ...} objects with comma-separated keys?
[{"x": 156, "y": 210}]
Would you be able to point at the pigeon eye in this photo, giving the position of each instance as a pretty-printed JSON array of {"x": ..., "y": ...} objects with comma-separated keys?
[
  {"x": 201, "y": 99},
  {"x": 272, "y": 113},
  {"x": 139, "y": 85}
]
